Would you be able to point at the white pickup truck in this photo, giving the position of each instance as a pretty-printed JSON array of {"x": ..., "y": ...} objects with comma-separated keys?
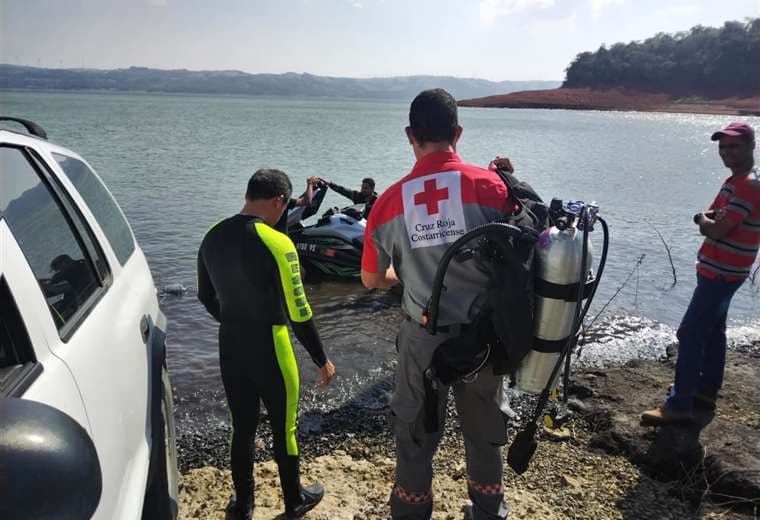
[{"x": 86, "y": 426}]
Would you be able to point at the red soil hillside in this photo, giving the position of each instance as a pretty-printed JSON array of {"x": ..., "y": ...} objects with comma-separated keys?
[{"x": 616, "y": 99}]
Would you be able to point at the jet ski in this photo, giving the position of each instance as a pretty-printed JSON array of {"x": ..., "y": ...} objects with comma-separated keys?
[{"x": 333, "y": 245}]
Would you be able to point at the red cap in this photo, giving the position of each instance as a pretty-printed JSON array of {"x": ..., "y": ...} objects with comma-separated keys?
[{"x": 735, "y": 130}]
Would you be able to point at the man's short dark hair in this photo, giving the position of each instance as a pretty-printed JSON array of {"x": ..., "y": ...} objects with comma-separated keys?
[
  {"x": 370, "y": 181},
  {"x": 268, "y": 183},
  {"x": 60, "y": 262},
  {"x": 433, "y": 117}
]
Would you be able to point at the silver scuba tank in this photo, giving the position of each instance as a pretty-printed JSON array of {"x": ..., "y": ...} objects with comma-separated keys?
[{"x": 558, "y": 259}]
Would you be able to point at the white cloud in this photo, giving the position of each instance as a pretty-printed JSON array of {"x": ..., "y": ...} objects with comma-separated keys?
[
  {"x": 683, "y": 11},
  {"x": 598, "y": 5},
  {"x": 491, "y": 10}
]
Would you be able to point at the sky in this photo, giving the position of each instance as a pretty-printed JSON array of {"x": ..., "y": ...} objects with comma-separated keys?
[{"x": 490, "y": 39}]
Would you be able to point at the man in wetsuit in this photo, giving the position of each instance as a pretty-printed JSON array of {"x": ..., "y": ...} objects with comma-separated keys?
[
  {"x": 411, "y": 226},
  {"x": 366, "y": 195},
  {"x": 249, "y": 281}
]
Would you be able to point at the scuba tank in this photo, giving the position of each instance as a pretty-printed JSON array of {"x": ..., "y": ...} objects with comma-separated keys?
[
  {"x": 558, "y": 262},
  {"x": 564, "y": 216}
]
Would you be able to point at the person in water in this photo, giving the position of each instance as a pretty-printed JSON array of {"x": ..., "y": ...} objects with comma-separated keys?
[
  {"x": 249, "y": 281},
  {"x": 731, "y": 227},
  {"x": 409, "y": 229},
  {"x": 365, "y": 195}
]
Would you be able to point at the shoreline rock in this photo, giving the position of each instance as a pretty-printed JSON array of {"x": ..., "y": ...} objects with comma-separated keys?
[
  {"x": 603, "y": 465},
  {"x": 617, "y": 99},
  {"x": 718, "y": 457}
]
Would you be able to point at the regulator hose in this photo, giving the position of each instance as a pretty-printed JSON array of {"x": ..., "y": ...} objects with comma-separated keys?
[
  {"x": 600, "y": 268},
  {"x": 432, "y": 307}
]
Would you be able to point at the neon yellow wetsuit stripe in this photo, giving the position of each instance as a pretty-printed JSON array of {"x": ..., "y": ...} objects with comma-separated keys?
[
  {"x": 286, "y": 258},
  {"x": 286, "y": 359}
]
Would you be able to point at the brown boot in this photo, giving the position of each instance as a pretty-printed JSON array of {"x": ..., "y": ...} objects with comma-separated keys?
[
  {"x": 702, "y": 402},
  {"x": 664, "y": 416}
]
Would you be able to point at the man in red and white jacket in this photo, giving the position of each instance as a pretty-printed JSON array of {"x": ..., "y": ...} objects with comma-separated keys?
[
  {"x": 731, "y": 228},
  {"x": 409, "y": 229}
]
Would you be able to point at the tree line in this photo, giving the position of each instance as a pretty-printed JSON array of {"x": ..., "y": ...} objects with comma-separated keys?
[{"x": 712, "y": 61}]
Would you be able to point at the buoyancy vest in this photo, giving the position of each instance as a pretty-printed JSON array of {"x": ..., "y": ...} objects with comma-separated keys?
[{"x": 502, "y": 333}]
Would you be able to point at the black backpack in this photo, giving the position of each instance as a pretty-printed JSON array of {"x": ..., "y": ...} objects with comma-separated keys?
[{"x": 511, "y": 297}]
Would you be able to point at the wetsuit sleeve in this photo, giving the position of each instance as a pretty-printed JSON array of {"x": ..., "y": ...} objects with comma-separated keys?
[
  {"x": 289, "y": 280},
  {"x": 206, "y": 292},
  {"x": 307, "y": 335},
  {"x": 355, "y": 196}
]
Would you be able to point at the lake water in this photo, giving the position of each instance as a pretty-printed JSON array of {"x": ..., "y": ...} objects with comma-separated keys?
[{"x": 178, "y": 164}]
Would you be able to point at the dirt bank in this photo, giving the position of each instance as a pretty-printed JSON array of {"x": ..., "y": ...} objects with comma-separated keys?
[
  {"x": 599, "y": 467},
  {"x": 617, "y": 99}
]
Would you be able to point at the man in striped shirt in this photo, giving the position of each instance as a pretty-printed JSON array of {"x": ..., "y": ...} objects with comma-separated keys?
[{"x": 731, "y": 228}]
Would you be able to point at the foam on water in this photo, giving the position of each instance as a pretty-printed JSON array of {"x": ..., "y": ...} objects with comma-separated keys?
[{"x": 622, "y": 338}]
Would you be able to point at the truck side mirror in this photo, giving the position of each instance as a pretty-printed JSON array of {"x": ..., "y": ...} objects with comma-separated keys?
[{"x": 49, "y": 467}]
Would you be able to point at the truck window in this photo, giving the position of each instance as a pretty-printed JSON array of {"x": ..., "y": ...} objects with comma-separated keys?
[
  {"x": 44, "y": 231},
  {"x": 101, "y": 204}
]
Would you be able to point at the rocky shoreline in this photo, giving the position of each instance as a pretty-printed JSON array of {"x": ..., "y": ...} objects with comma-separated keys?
[
  {"x": 601, "y": 465},
  {"x": 617, "y": 99}
]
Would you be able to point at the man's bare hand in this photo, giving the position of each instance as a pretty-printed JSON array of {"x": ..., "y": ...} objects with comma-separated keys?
[
  {"x": 501, "y": 163},
  {"x": 714, "y": 215},
  {"x": 717, "y": 214},
  {"x": 326, "y": 374}
]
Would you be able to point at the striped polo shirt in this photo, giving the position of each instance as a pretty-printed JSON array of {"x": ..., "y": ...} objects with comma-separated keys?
[
  {"x": 733, "y": 255},
  {"x": 415, "y": 220}
]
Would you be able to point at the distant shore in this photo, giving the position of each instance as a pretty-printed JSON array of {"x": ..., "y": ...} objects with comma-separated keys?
[{"x": 617, "y": 99}]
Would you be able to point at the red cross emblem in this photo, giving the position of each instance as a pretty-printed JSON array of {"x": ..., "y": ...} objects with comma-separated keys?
[{"x": 431, "y": 197}]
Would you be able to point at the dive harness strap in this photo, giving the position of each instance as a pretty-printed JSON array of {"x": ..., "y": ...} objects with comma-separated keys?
[
  {"x": 431, "y": 419},
  {"x": 567, "y": 292},
  {"x": 430, "y": 315},
  {"x": 430, "y": 318},
  {"x": 433, "y": 381}
]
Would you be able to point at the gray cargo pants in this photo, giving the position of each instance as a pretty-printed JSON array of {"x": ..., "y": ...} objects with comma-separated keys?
[{"x": 483, "y": 427}]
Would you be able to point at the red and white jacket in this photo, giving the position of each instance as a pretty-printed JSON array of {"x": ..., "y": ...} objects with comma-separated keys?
[{"x": 415, "y": 220}]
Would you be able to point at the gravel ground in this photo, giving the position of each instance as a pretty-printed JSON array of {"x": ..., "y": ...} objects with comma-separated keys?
[
  {"x": 350, "y": 451},
  {"x": 566, "y": 480}
]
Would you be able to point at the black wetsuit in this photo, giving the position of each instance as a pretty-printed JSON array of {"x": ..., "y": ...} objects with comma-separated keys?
[
  {"x": 249, "y": 281},
  {"x": 357, "y": 197},
  {"x": 282, "y": 224}
]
